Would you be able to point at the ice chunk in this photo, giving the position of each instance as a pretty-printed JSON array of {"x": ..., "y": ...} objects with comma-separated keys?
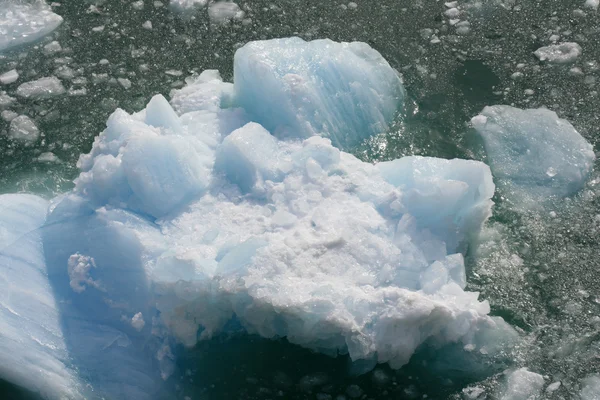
[
  {"x": 189, "y": 220},
  {"x": 9, "y": 77},
  {"x": 52, "y": 48},
  {"x": 533, "y": 153},
  {"x": 223, "y": 11},
  {"x": 346, "y": 92},
  {"x": 523, "y": 384},
  {"x": 24, "y": 22},
  {"x": 5, "y": 100},
  {"x": 296, "y": 239},
  {"x": 186, "y": 5},
  {"x": 43, "y": 88},
  {"x": 562, "y": 53},
  {"x": 24, "y": 129},
  {"x": 33, "y": 352},
  {"x": 593, "y": 4},
  {"x": 590, "y": 388}
]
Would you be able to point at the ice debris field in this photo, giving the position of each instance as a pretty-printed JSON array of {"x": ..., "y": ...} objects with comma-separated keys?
[{"x": 236, "y": 206}]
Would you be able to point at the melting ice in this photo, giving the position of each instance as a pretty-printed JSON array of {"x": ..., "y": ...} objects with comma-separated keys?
[{"x": 236, "y": 206}]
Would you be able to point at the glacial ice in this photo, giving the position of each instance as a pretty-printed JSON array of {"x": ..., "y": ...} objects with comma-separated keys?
[
  {"x": 523, "y": 384},
  {"x": 346, "y": 92},
  {"x": 33, "y": 352},
  {"x": 231, "y": 208},
  {"x": 27, "y": 22},
  {"x": 534, "y": 155},
  {"x": 590, "y": 388}
]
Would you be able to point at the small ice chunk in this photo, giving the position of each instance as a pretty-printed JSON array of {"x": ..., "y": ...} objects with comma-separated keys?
[
  {"x": 187, "y": 5},
  {"x": 553, "y": 387},
  {"x": 23, "y": 128},
  {"x": 224, "y": 11},
  {"x": 533, "y": 153},
  {"x": 9, "y": 77},
  {"x": 562, "y": 53},
  {"x": 25, "y": 22},
  {"x": 147, "y": 25},
  {"x": 593, "y": 4},
  {"x": 43, "y": 88},
  {"x": 124, "y": 82},
  {"x": 6, "y": 100},
  {"x": 138, "y": 5},
  {"x": 138, "y": 322},
  {"x": 452, "y": 12},
  {"x": 79, "y": 268},
  {"x": 590, "y": 388},
  {"x": 8, "y": 115},
  {"x": 48, "y": 157},
  {"x": 522, "y": 384},
  {"x": 52, "y": 48}
]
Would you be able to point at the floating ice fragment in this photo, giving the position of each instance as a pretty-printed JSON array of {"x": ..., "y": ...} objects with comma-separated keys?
[
  {"x": 9, "y": 77},
  {"x": 186, "y": 5},
  {"x": 590, "y": 388},
  {"x": 24, "y": 129},
  {"x": 523, "y": 384},
  {"x": 533, "y": 154},
  {"x": 224, "y": 11},
  {"x": 25, "y": 22},
  {"x": 40, "y": 89},
  {"x": 562, "y": 53}
]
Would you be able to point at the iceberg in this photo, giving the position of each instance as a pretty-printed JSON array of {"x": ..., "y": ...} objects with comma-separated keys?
[
  {"x": 534, "y": 155},
  {"x": 234, "y": 207},
  {"x": 22, "y": 23}
]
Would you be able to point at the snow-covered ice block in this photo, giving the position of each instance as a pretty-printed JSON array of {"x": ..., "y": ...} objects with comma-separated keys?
[
  {"x": 33, "y": 353},
  {"x": 533, "y": 154},
  {"x": 346, "y": 92},
  {"x": 590, "y": 389},
  {"x": 25, "y": 22},
  {"x": 289, "y": 239},
  {"x": 522, "y": 384},
  {"x": 187, "y": 220}
]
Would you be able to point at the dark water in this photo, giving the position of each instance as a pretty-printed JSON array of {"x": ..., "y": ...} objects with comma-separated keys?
[{"x": 540, "y": 272}]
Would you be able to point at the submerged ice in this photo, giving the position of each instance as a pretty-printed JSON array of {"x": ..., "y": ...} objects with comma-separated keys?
[{"x": 235, "y": 207}]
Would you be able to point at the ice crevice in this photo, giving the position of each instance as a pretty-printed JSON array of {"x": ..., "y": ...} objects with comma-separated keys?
[{"x": 238, "y": 202}]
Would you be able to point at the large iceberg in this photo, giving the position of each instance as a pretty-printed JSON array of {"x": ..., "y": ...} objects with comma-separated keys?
[
  {"x": 25, "y": 22},
  {"x": 192, "y": 218},
  {"x": 534, "y": 154}
]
